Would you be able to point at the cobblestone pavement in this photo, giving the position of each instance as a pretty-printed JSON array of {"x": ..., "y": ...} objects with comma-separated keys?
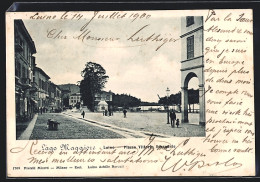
[
  {"x": 69, "y": 128},
  {"x": 146, "y": 123},
  {"x": 97, "y": 126}
]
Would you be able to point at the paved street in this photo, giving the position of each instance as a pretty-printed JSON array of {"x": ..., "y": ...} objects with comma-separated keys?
[
  {"x": 69, "y": 128},
  {"x": 97, "y": 126}
]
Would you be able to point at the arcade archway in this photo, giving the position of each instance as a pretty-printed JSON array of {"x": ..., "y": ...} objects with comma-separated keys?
[{"x": 186, "y": 77}]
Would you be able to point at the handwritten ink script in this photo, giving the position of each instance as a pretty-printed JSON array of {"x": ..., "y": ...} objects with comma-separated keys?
[
  {"x": 136, "y": 35},
  {"x": 174, "y": 158},
  {"x": 228, "y": 67}
]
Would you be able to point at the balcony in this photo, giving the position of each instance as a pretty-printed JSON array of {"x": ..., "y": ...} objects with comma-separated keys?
[
  {"x": 18, "y": 47},
  {"x": 17, "y": 79},
  {"x": 34, "y": 87},
  {"x": 26, "y": 83}
]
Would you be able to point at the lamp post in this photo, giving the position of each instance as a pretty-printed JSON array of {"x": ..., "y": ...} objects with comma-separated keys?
[{"x": 167, "y": 93}]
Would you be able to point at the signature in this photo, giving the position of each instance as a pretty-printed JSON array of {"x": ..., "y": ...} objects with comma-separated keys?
[{"x": 195, "y": 162}]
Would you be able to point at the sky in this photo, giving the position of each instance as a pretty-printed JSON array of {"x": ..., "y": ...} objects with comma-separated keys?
[{"x": 134, "y": 68}]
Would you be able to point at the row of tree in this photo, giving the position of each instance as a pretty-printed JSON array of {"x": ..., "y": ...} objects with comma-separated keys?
[
  {"x": 175, "y": 99},
  {"x": 125, "y": 101},
  {"x": 95, "y": 78}
]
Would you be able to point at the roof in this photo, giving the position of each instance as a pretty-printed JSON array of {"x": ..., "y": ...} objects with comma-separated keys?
[
  {"x": 76, "y": 94},
  {"x": 102, "y": 103},
  {"x": 26, "y": 33},
  {"x": 42, "y": 72}
]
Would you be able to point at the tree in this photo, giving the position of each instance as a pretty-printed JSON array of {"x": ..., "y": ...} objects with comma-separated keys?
[
  {"x": 94, "y": 79},
  {"x": 77, "y": 105},
  {"x": 174, "y": 99},
  {"x": 66, "y": 101},
  {"x": 193, "y": 97},
  {"x": 125, "y": 101}
]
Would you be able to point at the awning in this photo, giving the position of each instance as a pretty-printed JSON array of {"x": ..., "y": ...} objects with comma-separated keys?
[{"x": 35, "y": 101}]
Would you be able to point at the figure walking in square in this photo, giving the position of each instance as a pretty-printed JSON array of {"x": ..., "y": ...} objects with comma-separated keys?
[
  {"x": 173, "y": 117},
  {"x": 177, "y": 123},
  {"x": 83, "y": 114},
  {"x": 124, "y": 111}
]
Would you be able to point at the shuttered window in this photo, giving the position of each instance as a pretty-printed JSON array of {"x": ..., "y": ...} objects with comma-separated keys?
[{"x": 190, "y": 47}]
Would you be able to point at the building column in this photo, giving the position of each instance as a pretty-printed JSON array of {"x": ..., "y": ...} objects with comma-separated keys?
[
  {"x": 202, "y": 104},
  {"x": 184, "y": 103}
]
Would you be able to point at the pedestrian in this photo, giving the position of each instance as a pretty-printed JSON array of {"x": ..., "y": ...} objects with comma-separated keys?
[
  {"x": 83, "y": 114},
  {"x": 41, "y": 110},
  {"x": 124, "y": 111},
  {"x": 105, "y": 112},
  {"x": 177, "y": 123},
  {"x": 173, "y": 117},
  {"x": 109, "y": 112}
]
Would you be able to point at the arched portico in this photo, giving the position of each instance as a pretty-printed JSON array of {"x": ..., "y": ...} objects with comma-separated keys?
[{"x": 187, "y": 75}]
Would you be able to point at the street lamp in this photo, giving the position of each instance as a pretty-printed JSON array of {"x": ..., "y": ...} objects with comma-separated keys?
[{"x": 167, "y": 104}]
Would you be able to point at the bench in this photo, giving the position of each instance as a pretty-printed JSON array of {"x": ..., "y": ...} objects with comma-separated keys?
[{"x": 52, "y": 124}]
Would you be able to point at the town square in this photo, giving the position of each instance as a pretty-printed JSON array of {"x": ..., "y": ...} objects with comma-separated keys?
[{"x": 104, "y": 99}]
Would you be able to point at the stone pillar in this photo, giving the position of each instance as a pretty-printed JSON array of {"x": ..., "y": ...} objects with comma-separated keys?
[
  {"x": 202, "y": 104},
  {"x": 184, "y": 104}
]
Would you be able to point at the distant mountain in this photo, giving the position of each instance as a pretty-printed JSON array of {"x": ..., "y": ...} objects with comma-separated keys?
[{"x": 72, "y": 87}]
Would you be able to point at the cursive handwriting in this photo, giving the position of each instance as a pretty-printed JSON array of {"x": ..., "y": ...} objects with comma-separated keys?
[
  {"x": 171, "y": 164},
  {"x": 153, "y": 37}
]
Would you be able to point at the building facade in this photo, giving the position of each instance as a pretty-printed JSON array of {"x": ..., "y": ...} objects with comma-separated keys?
[
  {"x": 192, "y": 63},
  {"x": 103, "y": 101},
  {"x": 55, "y": 97},
  {"x": 25, "y": 86},
  {"x": 42, "y": 94},
  {"x": 74, "y": 99}
]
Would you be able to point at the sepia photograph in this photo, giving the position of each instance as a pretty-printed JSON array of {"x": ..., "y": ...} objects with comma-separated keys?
[
  {"x": 101, "y": 93},
  {"x": 96, "y": 79}
]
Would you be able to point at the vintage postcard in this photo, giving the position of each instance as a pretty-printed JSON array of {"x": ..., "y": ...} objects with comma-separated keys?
[{"x": 130, "y": 93}]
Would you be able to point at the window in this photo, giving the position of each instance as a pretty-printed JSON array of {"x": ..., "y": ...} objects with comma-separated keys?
[
  {"x": 23, "y": 72},
  {"x": 190, "y": 47},
  {"x": 18, "y": 69},
  {"x": 189, "y": 20},
  {"x": 28, "y": 74},
  {"x": 17, "y": 40},
  {"x": 22, "y": 44},
  {"x": 28, "y": 55},
  {"x": 43, "y": 85},
  {"x": 40, "y": 83}
]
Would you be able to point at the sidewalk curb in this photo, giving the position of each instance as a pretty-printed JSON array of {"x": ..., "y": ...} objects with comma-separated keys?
[{"x": 27, "y": 133}]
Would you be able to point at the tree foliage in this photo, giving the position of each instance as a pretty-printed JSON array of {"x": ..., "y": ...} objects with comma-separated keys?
[
  {"x": 94, "y": 80},
  {"x": 66, "y": 101},
  {"x": 175, "y": 99},
  {"x": 126, "y": 101},
  {"x": 193, "y": 96}
]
